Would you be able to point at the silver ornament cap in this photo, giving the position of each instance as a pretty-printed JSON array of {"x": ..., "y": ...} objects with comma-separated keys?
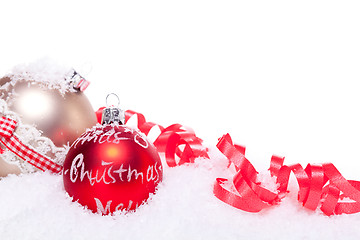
[
  {"x": 78, "y": 82},
  {"x": 111, "y": 113}
]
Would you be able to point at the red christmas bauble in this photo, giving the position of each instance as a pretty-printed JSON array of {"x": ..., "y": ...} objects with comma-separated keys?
[{"x": 110, "y": 168}]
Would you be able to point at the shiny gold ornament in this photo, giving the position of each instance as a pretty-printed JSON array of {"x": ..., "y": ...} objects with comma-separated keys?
[{"x": 59, "y": 115}]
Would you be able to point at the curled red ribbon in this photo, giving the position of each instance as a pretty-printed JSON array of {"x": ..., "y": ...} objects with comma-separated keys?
[
  {"x": 320, "y": 185},
  {"x": 171, "y": 139}
]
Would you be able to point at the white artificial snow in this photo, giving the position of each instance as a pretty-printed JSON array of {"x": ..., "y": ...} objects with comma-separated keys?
[
  {"x": 47, "y": 72},
  {"x": 267, "y": 181},
  {"x": 36, "y": 206}
]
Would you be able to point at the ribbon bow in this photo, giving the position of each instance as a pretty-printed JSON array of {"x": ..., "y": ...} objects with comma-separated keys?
[{"x": 11, "y": 142}]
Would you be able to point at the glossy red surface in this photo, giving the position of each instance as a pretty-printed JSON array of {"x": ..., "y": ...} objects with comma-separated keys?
[{"x": 110, "y": 168}]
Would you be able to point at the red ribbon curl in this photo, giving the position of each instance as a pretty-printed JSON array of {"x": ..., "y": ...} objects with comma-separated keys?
[{"x": 320, "y": 185}]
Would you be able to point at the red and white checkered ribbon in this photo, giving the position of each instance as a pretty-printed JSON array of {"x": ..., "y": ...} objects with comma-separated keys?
[{"x": 7, "y": 137}]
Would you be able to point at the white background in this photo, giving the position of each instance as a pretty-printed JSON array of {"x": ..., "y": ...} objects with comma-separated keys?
[{"x": 280, "y": 76}]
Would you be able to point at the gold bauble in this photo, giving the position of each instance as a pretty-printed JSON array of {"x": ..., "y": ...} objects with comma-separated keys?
[{"x": 60, "y": 116}]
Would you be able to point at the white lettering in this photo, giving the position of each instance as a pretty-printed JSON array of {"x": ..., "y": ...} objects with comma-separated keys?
[
  {"x": 107, "y": 136},
  {"x": 119, "y": 207},
  {"x": 108, "y": 175},
  {"x": 73, "y": 169},
  {"x": 103, "y": 177},
  {"x": 106, "y": 210},
  {"x": 150, "y": 174},
  {"x": 141, "y": 140},
  {"x": 84, "y": 173},
  {"x": 157, "y": 173},
  {"x": 100, "y": 207},
  {"x": 110, "y": 136},
  {"x": 120, "y": 171},
  {"x": 87, "y": 137},
  {"x": 134, "y": 171},
  {"x": 130, "y": 204}
]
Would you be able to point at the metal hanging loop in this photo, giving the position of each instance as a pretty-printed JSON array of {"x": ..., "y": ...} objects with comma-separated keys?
[
  {"x": 116, "y": 99},
  {"x": 112, "y": 113}
]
